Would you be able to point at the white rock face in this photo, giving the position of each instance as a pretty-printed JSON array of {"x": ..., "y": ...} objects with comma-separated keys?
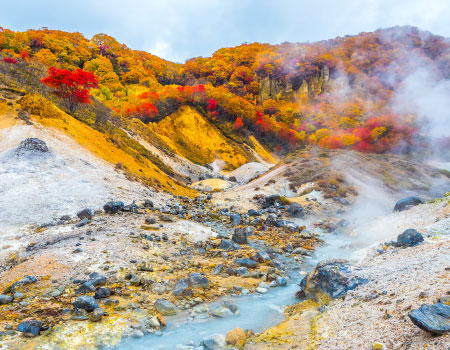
[
  {"x": 248, "y": 171},
  {"x": 36, "y": 187}
]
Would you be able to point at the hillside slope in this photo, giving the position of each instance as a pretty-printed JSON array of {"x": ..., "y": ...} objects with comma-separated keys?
[{"x": 195, "y": 138}]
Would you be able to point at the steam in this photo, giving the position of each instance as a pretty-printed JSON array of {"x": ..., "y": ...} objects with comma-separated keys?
[
  {"x": 426, "y": 95},
  {"x": 218, "y": 165}
]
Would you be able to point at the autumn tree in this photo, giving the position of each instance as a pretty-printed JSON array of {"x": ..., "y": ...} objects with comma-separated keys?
[
  {"x": 238, "y": 123},
  {"x": 71, "y": 87}
]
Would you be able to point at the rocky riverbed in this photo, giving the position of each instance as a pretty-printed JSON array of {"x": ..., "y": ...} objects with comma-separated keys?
[
  {"x": 127, "y": 267},
  {"x": 158, "y": 265}
]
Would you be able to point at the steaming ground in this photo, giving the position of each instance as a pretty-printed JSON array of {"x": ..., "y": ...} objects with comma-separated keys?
[{"x": 36, "y": 188}]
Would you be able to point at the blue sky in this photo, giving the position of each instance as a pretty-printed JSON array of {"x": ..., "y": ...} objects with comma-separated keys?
[{"x": 180, "y": 29}]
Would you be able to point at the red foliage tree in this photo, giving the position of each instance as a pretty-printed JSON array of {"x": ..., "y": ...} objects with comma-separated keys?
[
  {"x": 145, "y": 112},
  {"x": 238, "y": 123},
  {"x": 24, "y": 55},
  {"x": 212, "y": 105},
  {"x": 10, "y": 60},
  {"x": 72, "y": 87}
]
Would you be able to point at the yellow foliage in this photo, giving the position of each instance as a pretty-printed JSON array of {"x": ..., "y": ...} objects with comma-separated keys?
[
  {"x": 377, "y": 132},
  {"x": 347, "y": 123},
  {"x": 321, "y": 133},
  {"x": 190, "y": 135},
  {"x": 349, "y": 139},
  {"x": 262, "y": 152},
  {"x": 46, "y": 57}
]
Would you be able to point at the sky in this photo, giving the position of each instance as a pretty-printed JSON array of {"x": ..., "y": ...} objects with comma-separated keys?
[{"x": 180, "y": 29}]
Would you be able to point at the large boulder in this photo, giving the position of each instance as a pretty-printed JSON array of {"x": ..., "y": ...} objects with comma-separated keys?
[
  {"x": 409, "y": 238},
  {"x": 406, "y": 203},
  {"x": 433, "y": 318},
  {"x": 330, "y": 279}
]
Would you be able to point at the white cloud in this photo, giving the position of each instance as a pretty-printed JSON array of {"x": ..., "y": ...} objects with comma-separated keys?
[{"x": 180, "y": 29}]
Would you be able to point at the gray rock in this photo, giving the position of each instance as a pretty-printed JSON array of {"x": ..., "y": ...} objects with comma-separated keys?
[
  {"x": 113, "y": 207},
  {"x": 166, "y": 218},
  {"x": 235, "y": 219},
  {"x": 239, "y": 236},
  {"x": 5, "y": 299},
  {"x": 246, "y": 262},
  {"x": 253, "y": 212},
  {"x": 17, "y": 296},
  {"x": 218, "y": 269},
  {"x": 296, "y": 211},
  {"x": 86, "y": 287},
  {"x": 214, "y": 342},
  {"x": 150, "y": 221},
  {"x": 96, "y": 315},
  {"x": 231, "y": 305},
  {"x": 180, "y": 287},
  {"x": 102, "y": 293},
  {"x": 153, "y": 322},
  {"x": 197, "y": 280},
  {"x": 27, "y": 279},
  {"x": 30, "y": 327},
  {"x": 263, "y": 256},
  {"x": 433, "y": 318},
  {"x": 158, "y": 288},
  {"x": 406, "y": 203},
  {"x": 281, "y": 281},
  {"x": 409, "y": 238},
  {"x": 96, "y": 279},
  {"x": 330, "y": 279},
  {"x": 85, "y": 214},
  {"x": 165, "y": 307},
  {"x": 220, "y": 311},
  {"x": 272, "y": 200},
  {"x": 85, "y": 302},
  {"x": 82, "y": 222},
  {"x": 242, "y": 271},
  {"x": 225, "y": 244}
]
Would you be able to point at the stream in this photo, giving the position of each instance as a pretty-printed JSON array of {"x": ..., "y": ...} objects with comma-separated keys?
[{"x": 257, "y": 311}]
